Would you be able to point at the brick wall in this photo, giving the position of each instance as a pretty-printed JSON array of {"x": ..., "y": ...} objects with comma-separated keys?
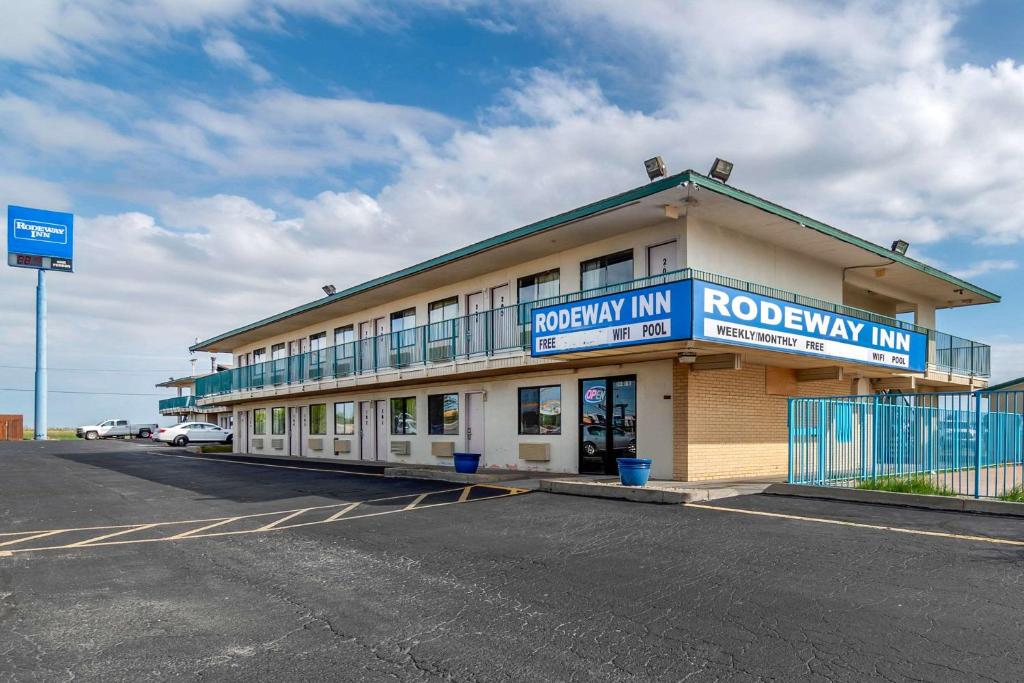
[{"x": 726, "y": 424}]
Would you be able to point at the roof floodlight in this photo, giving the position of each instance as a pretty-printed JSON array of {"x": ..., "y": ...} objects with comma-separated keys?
[
  {"x": 655, "y": 168},
  {"x": 900, "y": 247},
  {"x": 329, "y": 289},
  {"x": 721, "y": 170}
]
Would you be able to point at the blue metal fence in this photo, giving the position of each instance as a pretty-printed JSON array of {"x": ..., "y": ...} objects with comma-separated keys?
[{"x": 966, "y": 443}]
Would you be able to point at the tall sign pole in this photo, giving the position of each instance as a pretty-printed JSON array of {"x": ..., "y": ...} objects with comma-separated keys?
[
  {"x": 40, "y": 423},
  {"x": 41, "y": 240}
]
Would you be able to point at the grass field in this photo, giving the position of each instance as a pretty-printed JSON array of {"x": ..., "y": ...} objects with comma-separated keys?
[{"x": 55, "y": 433}]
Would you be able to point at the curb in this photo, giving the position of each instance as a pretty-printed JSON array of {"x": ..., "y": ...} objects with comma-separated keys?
[
  {"x": 636, "y": 495},
  {"x": 446, "y": 475},
  {"x": 911, "y": 500}
]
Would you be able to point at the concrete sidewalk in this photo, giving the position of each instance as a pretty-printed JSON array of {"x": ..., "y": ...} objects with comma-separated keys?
[{"x": 657, "y": 491}]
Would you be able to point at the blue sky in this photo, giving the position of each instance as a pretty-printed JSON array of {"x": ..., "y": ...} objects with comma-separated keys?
[{"x": 224, "y": 158}]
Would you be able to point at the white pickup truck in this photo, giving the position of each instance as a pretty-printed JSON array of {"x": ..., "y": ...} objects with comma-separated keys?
[{"x": 115, "y": 428}]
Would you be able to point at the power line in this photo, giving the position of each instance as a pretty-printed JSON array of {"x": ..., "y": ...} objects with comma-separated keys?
[
  {"x": 129, "y": 372},
  {"x": 89, "y": 393}
]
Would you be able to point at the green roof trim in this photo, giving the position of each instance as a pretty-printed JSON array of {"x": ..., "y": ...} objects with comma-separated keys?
[
  {"x": 808, "y": 222},
  {"x": 587, "y": 211},
  {"x": 489, "y": 243}
]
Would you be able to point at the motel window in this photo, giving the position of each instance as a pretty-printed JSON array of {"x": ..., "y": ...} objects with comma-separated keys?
[
  {"x": 259, "y": 355},
  {"x": 344, "y": 335},
  {"x": 277, "y": 420},
  {"x": 442, "y": 310},
  {"x": 536, "y": 288},
  {"x": 403, "y": 415},
  {"x": 612, "y": 269},
  {"x": 439, "y": 312},
  {"x": 540, "y": 410},
  {"x": 345, "y": 418},
  {"x": 402, "y": 324},
  {"x": 277, "y": 351},
  {"x": 318, "y": 418},
  {"x": 318, "y": 341},
  {"x": 259, "y": 421},
  {"x": 443, "y": 413}
]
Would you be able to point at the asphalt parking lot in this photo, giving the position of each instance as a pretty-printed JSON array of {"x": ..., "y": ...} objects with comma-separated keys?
[{"x": 122, "y": 561}]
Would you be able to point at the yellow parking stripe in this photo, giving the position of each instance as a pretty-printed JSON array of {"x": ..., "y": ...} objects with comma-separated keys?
[
  {"x": 276, "y": 525},
  {"x": 342, "y": 511},
  {"x": 33, "y": 536},
  {"x": 416, "y": 501},
  {"x": 861, "y": 525},
  {"x": 186, "y": 534},
  {"x": 89, "y": 541},
  {"x": 268, "y": 527}
]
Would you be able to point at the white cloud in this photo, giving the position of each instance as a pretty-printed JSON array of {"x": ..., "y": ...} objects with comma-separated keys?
[
  {"x": 848, "y": 112},
  {"x": 984, "y": 267},
  {"x": 61, "y": 32},
  {"x": 225, "y": 50}
]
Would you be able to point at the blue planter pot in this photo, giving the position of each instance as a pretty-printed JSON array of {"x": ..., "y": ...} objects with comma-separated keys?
[
  {"x": 634, "y": 471},
  {"x": 467, "y": 463}
]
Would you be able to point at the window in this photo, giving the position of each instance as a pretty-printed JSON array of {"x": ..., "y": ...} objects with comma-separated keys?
[
  {"x": 403, "y": 415},
  {"x": 318, "y": 341},
  {"x": 540, "y": 410},
  {"x": 536, "y": 288},
  {"x": 344, "y": 335},
  {"x": 402, "y": 324},
  {"x": 318, "y": 418},
  {"x": 259, "y": 355},
  {"x": 442, "y": 310},
  {"x": 443, "y": 414},
  {"x": 277, "y": 420},
  {"x": 345, "y": 418},
  {"x": 277, "y": 351},
  {"x": 607, "y": 270},
  {"x": 259, "y": 421}
]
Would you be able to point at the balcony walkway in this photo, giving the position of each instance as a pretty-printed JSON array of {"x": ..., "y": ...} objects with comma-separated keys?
[{"x": 506, "y": 331}]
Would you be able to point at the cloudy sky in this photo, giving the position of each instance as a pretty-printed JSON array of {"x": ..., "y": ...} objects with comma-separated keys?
[{"x": 225, "y": 158}]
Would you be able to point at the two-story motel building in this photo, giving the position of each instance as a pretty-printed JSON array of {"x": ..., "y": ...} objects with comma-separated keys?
[{"x": 671, "y": 321}]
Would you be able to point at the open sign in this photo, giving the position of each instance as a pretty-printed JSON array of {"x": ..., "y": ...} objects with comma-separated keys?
[{"x": 594, "y": 395}]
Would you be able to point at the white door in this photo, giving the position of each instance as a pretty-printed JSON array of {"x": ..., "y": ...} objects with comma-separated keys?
[
  {"x": 475, "y": 423},
  {"x": 502, "y": 319},
  {"x": 662, "y": 258},
  {"x": 366, "y": 346},
  {"x": 367, "y": 432},
  {"x": 476, "y": 330},
  {"x": 380, "y": 328},
  {"x": 382, "y": 430},
  {"x": 295, "y": 431},
  {"x": 241, "y": 434}
]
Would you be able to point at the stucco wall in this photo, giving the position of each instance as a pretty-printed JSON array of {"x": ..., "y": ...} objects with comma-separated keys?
[
  {"x": 501, "y": 419},
  {"x": 724, "y": 251}
]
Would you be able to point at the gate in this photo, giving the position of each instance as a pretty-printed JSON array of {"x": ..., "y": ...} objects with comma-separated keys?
[
  {"x": 970, "y": 443},
  {"x": 12, "y": 428}
]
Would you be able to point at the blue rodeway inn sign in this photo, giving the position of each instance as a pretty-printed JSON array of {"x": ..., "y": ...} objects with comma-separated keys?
[
  {"x": 693, "y": 309},
  {"x": 40, "y": 239}
]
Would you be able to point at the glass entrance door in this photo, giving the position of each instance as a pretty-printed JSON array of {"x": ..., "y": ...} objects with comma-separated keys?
[{"x": 607, "y": 423}]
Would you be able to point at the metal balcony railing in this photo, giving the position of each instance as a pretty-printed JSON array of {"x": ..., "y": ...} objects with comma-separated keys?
[
  {"x": 177, "y": 403},
  {"x": 508, "y": 329}
]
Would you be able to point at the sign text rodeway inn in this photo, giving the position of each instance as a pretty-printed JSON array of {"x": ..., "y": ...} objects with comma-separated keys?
[{"x": 691, "y": 309}]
